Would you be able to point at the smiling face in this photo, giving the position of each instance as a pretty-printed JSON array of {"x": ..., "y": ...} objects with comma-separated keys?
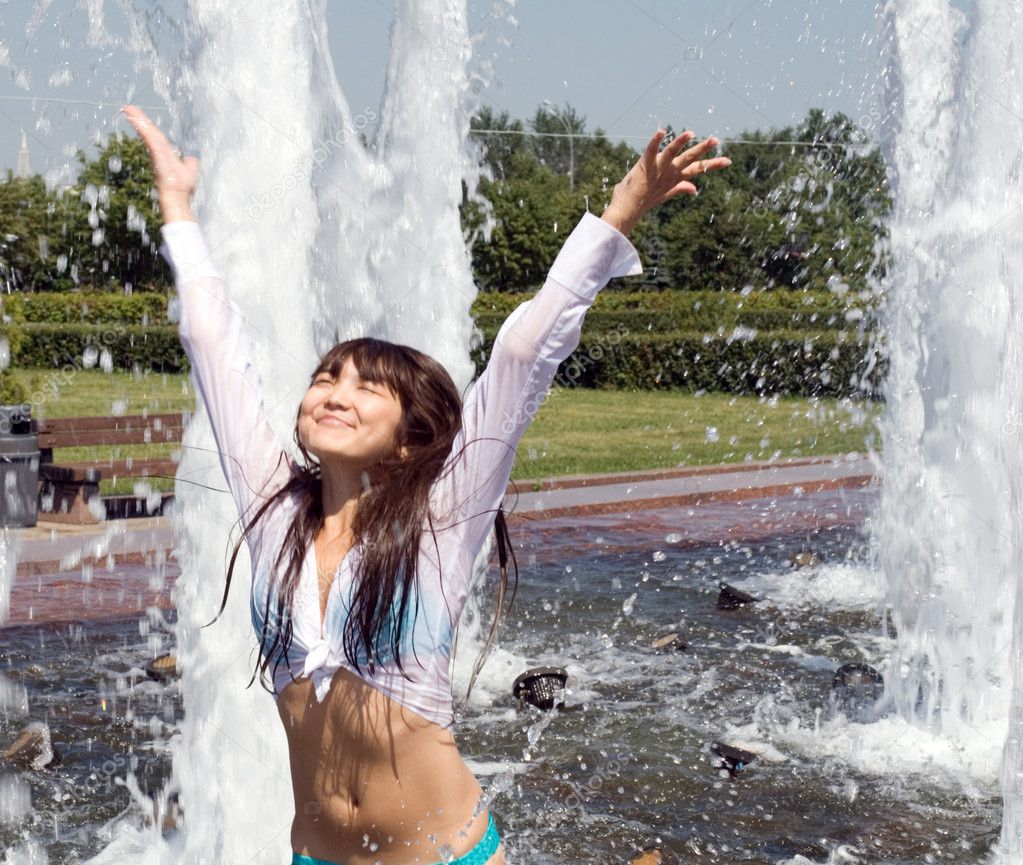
[{"x": 348, "y": 417}]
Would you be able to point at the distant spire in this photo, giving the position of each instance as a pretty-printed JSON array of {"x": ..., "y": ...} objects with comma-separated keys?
[{"x": 24, "y": 168}]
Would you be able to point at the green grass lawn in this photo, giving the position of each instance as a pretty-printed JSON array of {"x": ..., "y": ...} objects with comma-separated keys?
[
  {"x": 93, "y": 392},
  {"x": 577, "y": 431}
]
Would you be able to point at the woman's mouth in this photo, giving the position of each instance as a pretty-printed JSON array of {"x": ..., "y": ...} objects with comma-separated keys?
[{"x": 330, "y": 420}]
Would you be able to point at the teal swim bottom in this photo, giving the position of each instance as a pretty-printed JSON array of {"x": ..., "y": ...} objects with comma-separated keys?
[{"x": 484, "y": 849}]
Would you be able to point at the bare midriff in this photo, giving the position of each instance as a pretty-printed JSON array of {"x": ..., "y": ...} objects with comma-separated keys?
[{"x": 374, "y": 782}]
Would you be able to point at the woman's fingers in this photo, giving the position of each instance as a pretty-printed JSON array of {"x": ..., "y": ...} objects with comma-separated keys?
[
  {"x": 156, "y": 142},
  {"x": 683, "y": 179},
  {"x": 696, "y": 151},
  {"x": 683, "y": 187},
  {"x": 677, "y": 143},
  {"x": 660, "y": 175},
  {"x": 704, "y": 165},
  {"x": 175, "y": 176},
  {"x": 680, "y": 166},
  {"x": 653, "y": 146}
]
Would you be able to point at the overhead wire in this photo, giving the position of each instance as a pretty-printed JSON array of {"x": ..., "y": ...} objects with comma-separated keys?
[{"x": 522, "y": 132}]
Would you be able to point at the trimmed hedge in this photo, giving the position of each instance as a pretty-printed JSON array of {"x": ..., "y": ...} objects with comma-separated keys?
[
  {"x": 695, "y": 310},
  {"x": 56, "y": 345},
  {"x": 824, "y": 363},
  {"x": 633, "y": 320},
  {"x": 658, "y": 311},
  {"x": 637, "y": 321},
  {"x": 74, "y": 307},
  {"x": 715, "y": 317},
  {"x": 677, "y": 299},
  {"x": 785, "y": 319},
  {"x": 800, "y": 364}
]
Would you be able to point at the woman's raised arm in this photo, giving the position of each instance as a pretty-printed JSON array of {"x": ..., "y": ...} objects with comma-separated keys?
[
  {"x": 212, "y": 331},
  {"x": 542, "y": 332}
]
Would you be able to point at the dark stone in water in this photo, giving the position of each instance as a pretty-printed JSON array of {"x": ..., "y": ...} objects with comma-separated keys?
[
  {"x": 169, "y": 817},
  {"x": 541, "y": 687},
  {"x": 32, "y": 748},
  {"x": 804, "y": 559},
  {"x": 163, "y": 669},
  {"x": 731, "y": 598},
  {"x": 857, "y": 687},
  {"x": 654, "y": 856},
  {"x": 669, "y": 643},
  {"x": 731, "y": 758}
]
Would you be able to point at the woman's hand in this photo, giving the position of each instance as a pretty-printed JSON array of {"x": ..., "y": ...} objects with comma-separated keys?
[
  {"x": 660, "y": 175},
  {"x": 175, "y": 176}
]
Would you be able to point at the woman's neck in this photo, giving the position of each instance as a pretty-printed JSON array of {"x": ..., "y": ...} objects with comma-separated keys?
[{"x": 340, "y": 494}]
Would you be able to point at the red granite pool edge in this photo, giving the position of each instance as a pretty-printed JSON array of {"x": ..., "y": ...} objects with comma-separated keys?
[
  {"x": 91, "y": 587},
  {"x": 141, "y": 557},
  {"x": 135, "y": 557}
]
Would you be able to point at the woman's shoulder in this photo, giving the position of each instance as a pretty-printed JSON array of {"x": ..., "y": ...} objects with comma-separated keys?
[{"x": 285, "y": 499}]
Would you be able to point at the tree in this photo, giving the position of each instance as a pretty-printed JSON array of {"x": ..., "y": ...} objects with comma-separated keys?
[
  {"x": 498, "y": 149},
  {"x": 531, "y": 218},
  {"x": 114, "y": 235},
  {"x": 800, "y": 207},
  {"x": 556, "y": 143},
  {"x": 25, "y": 257},
  {"x": 786, "y": 215}
]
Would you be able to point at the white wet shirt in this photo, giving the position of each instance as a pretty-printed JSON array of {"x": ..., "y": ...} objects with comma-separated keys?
[{"x": 537, "y": 336}]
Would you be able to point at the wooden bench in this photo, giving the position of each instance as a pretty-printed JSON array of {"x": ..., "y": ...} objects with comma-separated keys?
[{"x": 69, "y": 490}]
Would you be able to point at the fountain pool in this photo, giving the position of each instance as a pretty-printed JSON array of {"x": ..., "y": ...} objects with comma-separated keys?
[{"x": 628, "y": 760}]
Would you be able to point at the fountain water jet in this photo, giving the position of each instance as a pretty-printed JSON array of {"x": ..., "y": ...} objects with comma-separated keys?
[
  {"x": 950, "y": 516},
  {"x": 320, "y": 239}
]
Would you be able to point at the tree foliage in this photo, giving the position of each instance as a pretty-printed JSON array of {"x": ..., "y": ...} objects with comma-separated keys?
[
  {"x": 25, "y": 259},
  {"x": 116, "y": 230},
  {"x": 99, "y": 233},
  {"x": 800, "y": 208}
]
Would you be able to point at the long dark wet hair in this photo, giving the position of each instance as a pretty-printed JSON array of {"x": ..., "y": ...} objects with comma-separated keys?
[{"x": 390, "y": 515}]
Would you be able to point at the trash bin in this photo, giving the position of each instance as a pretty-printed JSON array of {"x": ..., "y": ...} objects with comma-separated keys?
[{"x": 19, "y": 467}]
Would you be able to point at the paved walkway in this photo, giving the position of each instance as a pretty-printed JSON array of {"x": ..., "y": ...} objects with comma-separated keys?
[
  {"x": 50, "y": 547},
  {"x": 53, "y": 547},
  {"x": 658, "y": 489}
]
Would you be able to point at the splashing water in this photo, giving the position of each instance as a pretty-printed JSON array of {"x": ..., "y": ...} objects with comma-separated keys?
[
  {"x": 950, "y": 518},
  {"x": 320, "y": 239},
  {"x": 10, "y": 544},
  {"x": 15, "y": 798}
]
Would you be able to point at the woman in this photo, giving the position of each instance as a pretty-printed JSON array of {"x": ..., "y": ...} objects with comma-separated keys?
[{"x": 362, "y": 553}]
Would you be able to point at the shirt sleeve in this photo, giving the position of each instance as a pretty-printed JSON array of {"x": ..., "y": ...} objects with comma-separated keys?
[
  {"x": 212, "y": 331},
  {"x": 531, "y": 344}
]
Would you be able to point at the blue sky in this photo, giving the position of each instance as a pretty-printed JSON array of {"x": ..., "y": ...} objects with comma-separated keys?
[{"x": 626, "y": 65}]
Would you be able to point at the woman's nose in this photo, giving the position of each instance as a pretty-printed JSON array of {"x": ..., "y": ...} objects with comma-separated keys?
[{"x": 339, "y": 395}]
